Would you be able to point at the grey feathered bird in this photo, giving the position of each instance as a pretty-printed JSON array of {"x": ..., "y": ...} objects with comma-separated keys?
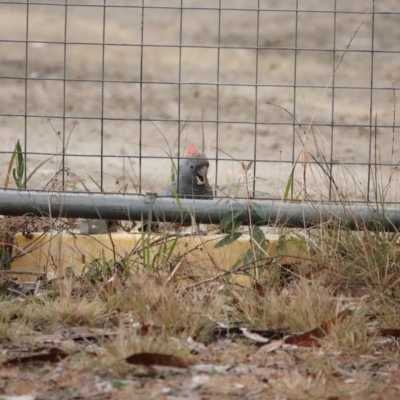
[
  {"x": 192, "y": 183},
  {"x": 192, "y": 177}
]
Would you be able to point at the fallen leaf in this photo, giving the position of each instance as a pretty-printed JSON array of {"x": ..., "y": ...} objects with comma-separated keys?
[
  {"x": 52, "y": 356},
  {"x": 152, "y": 359},
  {"x": 389, "y": 333},
  {"x": 268, "y": 348},
  {"x": 254, "y": 336},
  {"x": 311, "y": 338}
]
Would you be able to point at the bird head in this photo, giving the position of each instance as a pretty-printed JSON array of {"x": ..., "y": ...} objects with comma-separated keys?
[{"x": 194, "y": 167}]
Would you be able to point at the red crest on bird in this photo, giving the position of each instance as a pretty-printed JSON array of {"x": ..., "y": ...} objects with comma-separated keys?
[{"x": 191, "y": 151}]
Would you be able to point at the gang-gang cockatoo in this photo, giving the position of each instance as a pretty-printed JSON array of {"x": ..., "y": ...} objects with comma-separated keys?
[{"x": 192, "y": 182}]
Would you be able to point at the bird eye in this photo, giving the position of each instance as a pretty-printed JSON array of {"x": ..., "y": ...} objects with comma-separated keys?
[{"x": 191, "y": 166}]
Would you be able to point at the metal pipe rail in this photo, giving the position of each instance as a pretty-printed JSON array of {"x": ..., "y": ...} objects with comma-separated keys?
[{"x": 124, "y": 207}]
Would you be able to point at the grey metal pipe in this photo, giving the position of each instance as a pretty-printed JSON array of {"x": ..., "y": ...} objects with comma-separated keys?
[{"x": 124, "y": 207}]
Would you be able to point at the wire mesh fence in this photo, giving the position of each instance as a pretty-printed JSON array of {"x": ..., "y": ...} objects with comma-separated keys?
[{"x": 292, "y": 98}]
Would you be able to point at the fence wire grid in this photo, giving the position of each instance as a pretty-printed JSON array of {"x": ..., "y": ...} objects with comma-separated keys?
[{"x": 102, "y": 93}]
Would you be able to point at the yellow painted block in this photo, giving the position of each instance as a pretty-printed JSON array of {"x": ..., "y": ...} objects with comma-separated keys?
[{"x": 194, "y": 256}]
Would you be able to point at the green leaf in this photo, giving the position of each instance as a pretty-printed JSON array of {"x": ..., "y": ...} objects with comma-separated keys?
[
  {"x": 18, "y": 148},
  {"x": 230, "y": 228},
  {"x": 258, "y": 235},
  {"x": 18, "y": 171},
  {"x": 259, "y": 210},
  {"x": 20, "y": 160},
  {"x": 228, "y": 218},
  {"x": 228, "y": 240},
  {"x": 236, "y": 225}
]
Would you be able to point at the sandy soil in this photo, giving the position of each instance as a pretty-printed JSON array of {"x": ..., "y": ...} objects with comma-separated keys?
[{"x": 248, "y": 127}]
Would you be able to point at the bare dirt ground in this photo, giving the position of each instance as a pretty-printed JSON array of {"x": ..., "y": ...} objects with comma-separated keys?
[{"x": 236, "y": 104}]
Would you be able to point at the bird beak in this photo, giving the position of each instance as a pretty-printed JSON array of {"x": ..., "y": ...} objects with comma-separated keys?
[{"x": 201, "y": 176}]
